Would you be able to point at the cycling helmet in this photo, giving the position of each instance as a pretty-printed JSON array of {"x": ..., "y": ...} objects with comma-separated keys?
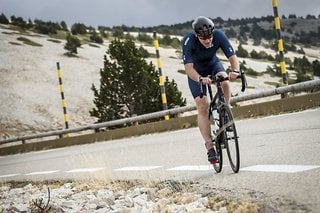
[{"x": 203, "y": 27}]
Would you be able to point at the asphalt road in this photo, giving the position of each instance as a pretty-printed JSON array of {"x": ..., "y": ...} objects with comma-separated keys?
[{"x": 279, "y": 158}]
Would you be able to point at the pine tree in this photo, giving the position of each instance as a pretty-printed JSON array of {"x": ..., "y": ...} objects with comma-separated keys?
[
  {"x": 174, "y": 96},
  {"x": 72, "y": 44},
  {"x": 303, "y": 68},
  {"x": 129, "y": 85},
  {"x": 3, "y": 19}
]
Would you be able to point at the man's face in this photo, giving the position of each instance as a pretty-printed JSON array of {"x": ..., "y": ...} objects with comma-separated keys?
[{"x": 206, "y": 41}]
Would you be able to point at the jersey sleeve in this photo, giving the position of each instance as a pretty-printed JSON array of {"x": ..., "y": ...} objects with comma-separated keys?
[
  {"x": 226, "y": 46},
  {"x": 187, "y": 46}
]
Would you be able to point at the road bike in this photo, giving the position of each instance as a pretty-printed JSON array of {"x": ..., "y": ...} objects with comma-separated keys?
[{"x": 223, "y": 128}]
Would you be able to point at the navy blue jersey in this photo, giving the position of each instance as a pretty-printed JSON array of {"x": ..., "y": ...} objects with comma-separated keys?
[{"x": 203, "y": 58}]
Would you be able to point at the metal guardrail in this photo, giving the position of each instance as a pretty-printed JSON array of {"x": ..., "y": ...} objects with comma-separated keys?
[
  {"x": 303, "y": 86},
  {"x": 299, "y": 87}
]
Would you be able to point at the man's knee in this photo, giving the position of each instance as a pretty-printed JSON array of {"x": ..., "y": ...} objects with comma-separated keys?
[
  {"x": 202, "y": 105},
  {"x": 222, "y": 73},
  {"x": 225, "y": 84}
]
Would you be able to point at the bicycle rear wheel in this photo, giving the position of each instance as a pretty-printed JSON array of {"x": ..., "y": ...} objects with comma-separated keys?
[
  {"x": 231, "y": 139},
  {"x": 215, "y": 127}
]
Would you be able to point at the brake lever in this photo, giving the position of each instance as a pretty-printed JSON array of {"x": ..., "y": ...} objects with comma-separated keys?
[
  {"x": 243, "y": 81},
  {"x": 201, "y": 88}
]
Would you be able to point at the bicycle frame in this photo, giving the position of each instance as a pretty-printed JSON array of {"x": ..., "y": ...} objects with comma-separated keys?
[{"x": 217, "y": 98}]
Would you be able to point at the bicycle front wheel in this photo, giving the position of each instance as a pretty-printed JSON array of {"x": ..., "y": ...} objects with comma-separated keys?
[
  {"x": 231, "y": 139},
  {"x": 218, "y": 164}
]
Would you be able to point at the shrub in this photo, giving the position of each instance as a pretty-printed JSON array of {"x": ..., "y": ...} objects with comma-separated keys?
[
  {"x": 241, "y": 52},
  {"x": 3, "y": 19},
  {"x": 72, "y": 44},
  {"x": 46, "y": 27},
  {"x": 143, "y": 37},
  {"x": 94, "y": 37},
  {"x": 78, "y": 28}
]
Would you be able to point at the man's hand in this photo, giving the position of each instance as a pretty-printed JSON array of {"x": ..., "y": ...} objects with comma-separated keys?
[
  {"x": 233, "y": 75},
  {"x": 205, "y": 80}
]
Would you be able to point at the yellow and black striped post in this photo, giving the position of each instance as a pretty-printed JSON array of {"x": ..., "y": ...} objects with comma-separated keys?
[
  {"x": 280, "y": 42},
  {"x": 64, "y": 105},
  {"x": 161, "y": 80}
]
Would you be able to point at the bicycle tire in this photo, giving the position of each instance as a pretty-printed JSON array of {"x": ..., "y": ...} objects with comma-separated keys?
[
  {"x": 218, "y": 165},
  {"x": 231, "y": 139},
  {"x": 215, "y": 127}
]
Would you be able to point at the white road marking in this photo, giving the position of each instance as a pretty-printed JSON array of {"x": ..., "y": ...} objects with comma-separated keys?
[
  {"x": 255, "y": 168},
  {"x": 192, "y": 168},
  {"x": 279, "y": 168},
  {"x": 42, "y": 172},
  {"x": 9, "y": 175},
  {"x": 84, "y": 170},
  {"x": 137, "y": 168},
  {"x": 49, "y": 150}
]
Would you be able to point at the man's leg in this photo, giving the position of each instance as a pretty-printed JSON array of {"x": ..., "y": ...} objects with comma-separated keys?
[
  {"x": 203, "y": 118},
  {"x": 226, "y": 90},
  {"x": 227, "y": 94},
  {"x": 225, "y": 87},
  {"x": 203, "y": 121}
]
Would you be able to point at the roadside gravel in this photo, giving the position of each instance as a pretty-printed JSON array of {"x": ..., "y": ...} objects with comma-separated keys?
[{"x": 135, "y": 196}]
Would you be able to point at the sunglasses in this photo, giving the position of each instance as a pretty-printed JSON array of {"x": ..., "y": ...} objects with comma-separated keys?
[{"x": 205, "y": 37}]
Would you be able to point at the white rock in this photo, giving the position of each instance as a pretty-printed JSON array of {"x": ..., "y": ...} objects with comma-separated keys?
[
  {"x": 21, "y": 207},
  {"x": 140, "y": 200},
  {"x": 68, "y": 204}
]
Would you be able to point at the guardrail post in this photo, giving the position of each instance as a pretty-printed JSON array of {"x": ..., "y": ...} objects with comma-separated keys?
[
  {"x": 280, "y": 45},
  {"x": 64, "y": 105},
  {"x": 161, "y": 80}
]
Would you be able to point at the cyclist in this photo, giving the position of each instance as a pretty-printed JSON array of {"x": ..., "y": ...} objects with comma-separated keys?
[{"x": 200, "y": 60}]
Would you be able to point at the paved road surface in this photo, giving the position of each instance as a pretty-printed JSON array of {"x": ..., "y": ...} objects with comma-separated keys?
[{"x": 279, "y": 157}]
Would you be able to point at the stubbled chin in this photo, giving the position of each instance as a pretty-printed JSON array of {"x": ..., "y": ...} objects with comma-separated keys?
[{"x": 207, "y": 45}]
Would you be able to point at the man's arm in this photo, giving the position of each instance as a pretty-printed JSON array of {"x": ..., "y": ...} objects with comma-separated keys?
[
  {"x": 193, "y": 74},
  {"x": 234, "y": 62}
]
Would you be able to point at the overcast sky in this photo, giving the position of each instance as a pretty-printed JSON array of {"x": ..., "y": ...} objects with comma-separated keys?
[{"x": 149, "y": 12}]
